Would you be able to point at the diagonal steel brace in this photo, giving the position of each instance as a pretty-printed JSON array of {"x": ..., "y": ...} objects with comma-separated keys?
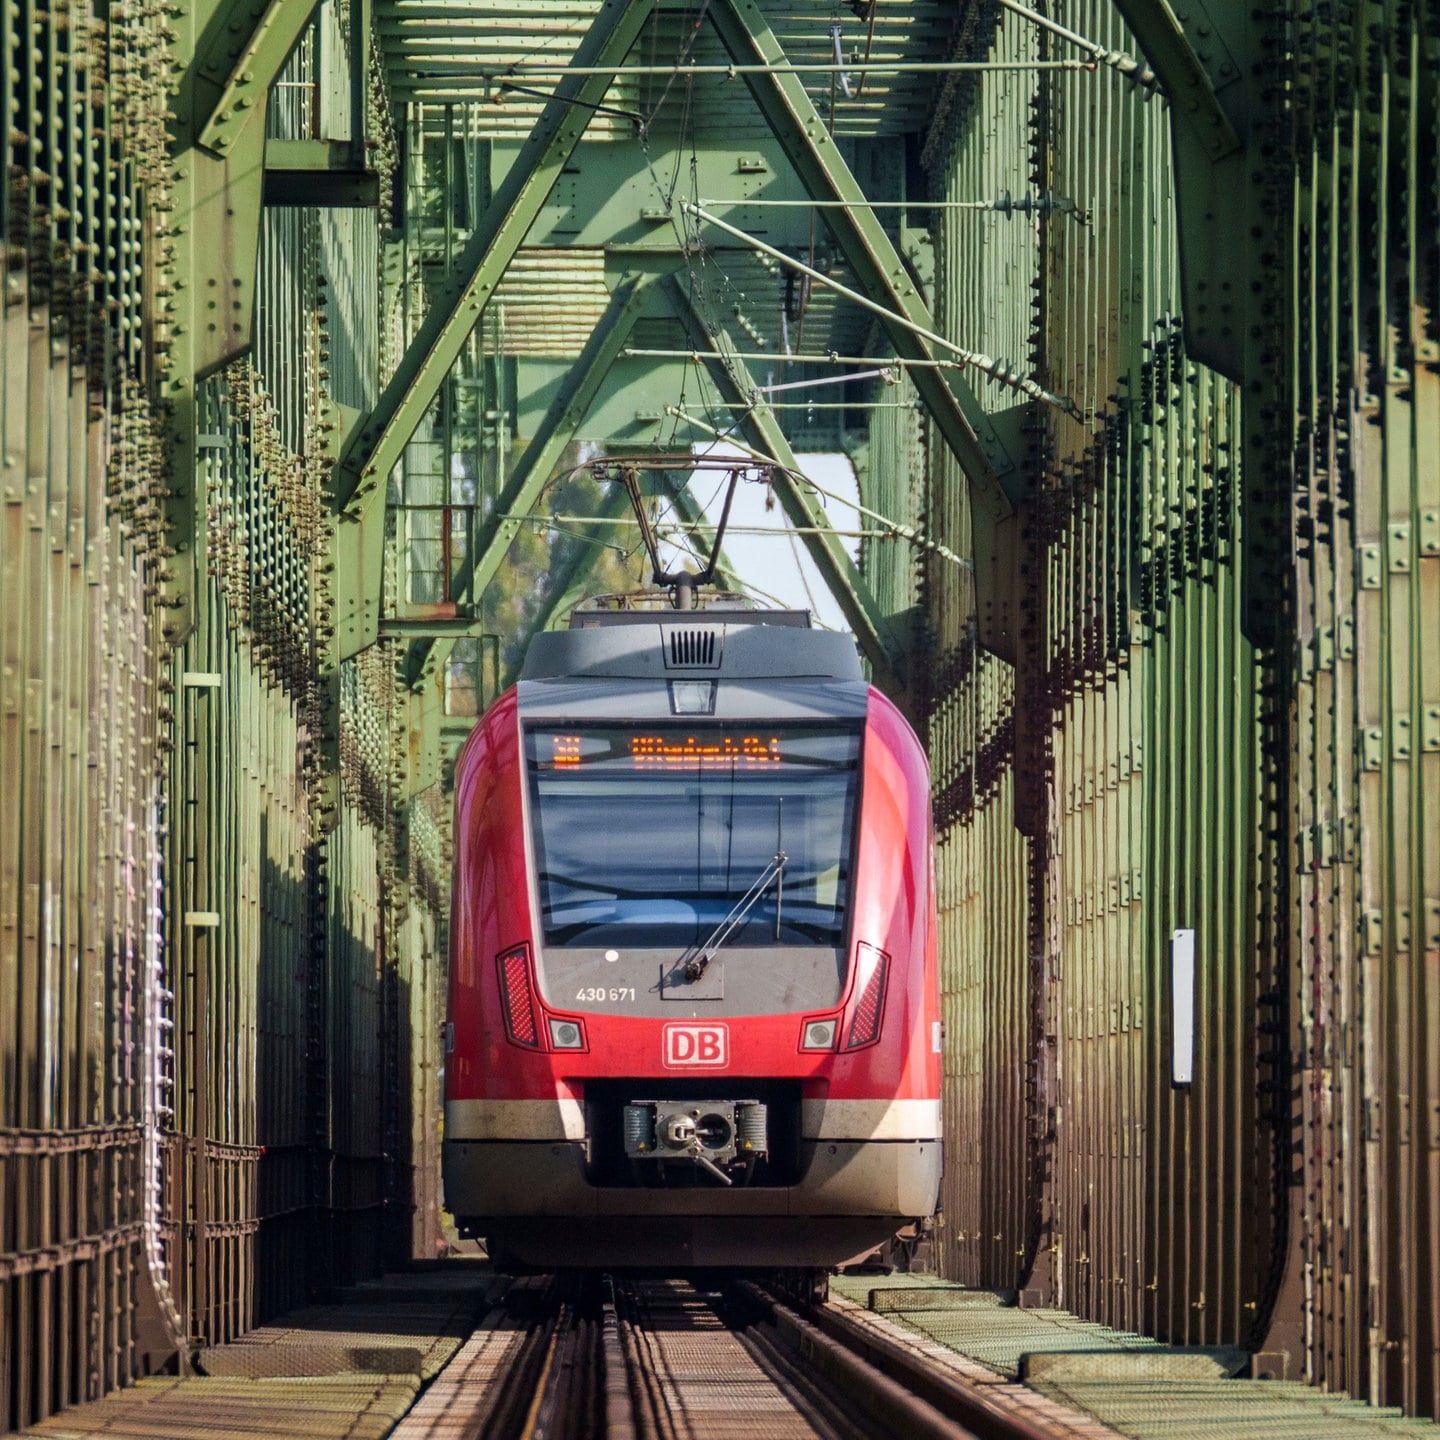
[
  {"x": 373, "y": 451},
  {"x": 762, "y": 431},
  {"x": 868, "y": 250},
  {"x": 552, "y": 435}
]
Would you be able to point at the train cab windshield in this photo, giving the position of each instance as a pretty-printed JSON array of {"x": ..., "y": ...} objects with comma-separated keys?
[{"x": 654, "y": 835}]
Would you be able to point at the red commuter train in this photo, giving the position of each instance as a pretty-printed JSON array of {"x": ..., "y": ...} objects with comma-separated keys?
[{"x": 693, "y": 1013}]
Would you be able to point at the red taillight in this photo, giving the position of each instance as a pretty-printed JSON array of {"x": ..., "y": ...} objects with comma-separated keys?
[
  {"x": 870, "y": 1003},
  {"x": 517, "y": 996}
]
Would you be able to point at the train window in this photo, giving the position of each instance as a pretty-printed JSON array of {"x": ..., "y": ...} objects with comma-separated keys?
[{"x": 655, "y": 835}]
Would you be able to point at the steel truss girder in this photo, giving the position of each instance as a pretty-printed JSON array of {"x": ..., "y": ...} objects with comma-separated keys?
[
  {"x": 868, "y": 250},
  {"x": 319, "y": 173},
  {"x": 229, "y": 54},
  {"x": 1193, "y": 100},
  {"x": 762, "y": 431},
  {"x": 533, "y": 471},
  {"x": 373, "y": 452}
]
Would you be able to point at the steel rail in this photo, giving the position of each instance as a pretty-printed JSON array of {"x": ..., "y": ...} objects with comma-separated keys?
[
  {"x": 514, "y": 1406},
  {"x": 811, "y": 1361},
  {"x": 856, "y": 1355},
  {"x": 617, "y": 1356}
]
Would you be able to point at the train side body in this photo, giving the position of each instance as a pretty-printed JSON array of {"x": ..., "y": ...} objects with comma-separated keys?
[{"x": 602, "y": 843}]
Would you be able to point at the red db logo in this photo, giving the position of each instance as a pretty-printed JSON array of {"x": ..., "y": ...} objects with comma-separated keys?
[{"x": 687, "y": 1045}]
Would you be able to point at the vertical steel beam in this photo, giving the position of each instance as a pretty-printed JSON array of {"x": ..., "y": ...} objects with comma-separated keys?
[
  {"x": 531, "y": 474},
  {"x": 232, "y": 51},
  {"x": 762, "y": 431},
  {"x": 1207, "y": 67},
  {"x": 376, "y": 448}
]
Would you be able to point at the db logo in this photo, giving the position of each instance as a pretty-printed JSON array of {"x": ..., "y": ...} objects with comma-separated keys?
[{"x": 707, "y": 1045}]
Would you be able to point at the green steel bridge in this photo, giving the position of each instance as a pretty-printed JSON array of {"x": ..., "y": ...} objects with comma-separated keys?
[{"x": 329, "y": 331}]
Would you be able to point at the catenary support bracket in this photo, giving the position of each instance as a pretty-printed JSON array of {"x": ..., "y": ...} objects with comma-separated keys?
[
  {"x": 762, "y": 431},
  {"x": 533, "y": 471},
  {"x": 372, "y": 453}
]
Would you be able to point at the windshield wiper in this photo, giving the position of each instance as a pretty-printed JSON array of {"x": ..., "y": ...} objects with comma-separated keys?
[{"x": 705, "y": 952}]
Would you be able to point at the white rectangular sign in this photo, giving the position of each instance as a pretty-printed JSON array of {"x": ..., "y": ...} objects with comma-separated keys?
[
  {"x": 702, "y": 1046},
  {"x": 1182, "y": 1006}
]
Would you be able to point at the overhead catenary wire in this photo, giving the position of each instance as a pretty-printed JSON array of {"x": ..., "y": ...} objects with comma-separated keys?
[
  {"x": 1127, "y": 65},
  {"x": 668, "y": 527},
  {"x": 829, "y": 357},
  {"x": 1042, "y": 204},
  {"x": 997, "y": 370},
  {"x": 908, "y": 532},
  {"x": 908, "y": 67}
]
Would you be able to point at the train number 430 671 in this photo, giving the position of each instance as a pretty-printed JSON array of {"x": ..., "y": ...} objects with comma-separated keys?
[{"x": 601, "y": 992}]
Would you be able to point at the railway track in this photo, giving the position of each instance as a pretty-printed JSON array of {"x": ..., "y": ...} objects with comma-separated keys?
[{"x": 664, "y": 1359}]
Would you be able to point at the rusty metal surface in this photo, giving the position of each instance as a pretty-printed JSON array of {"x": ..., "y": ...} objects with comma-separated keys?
[
  {"x": 1366, "y": 841},
  {"x": 1211, "y": 706},
  {"x": 355, "y": 1406},
  {"x": 1214, "y": 716},
  {"x": 217, "y": 1084},
  {"x": 347, "y": 1369}
]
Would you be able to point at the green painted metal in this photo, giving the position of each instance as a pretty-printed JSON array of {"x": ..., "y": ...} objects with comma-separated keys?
[
  {"x": 376, "y": 448},
  {"x": 536, "y": 465},
  {"x": 1191, "y": 90},
  {"x": 1194, "y": 686},
  {"x": 318, "y": 172},
  {"x": 217, "y": 954},
  {"x": 240, "y": 48},
  {"x": 801, "y": 129},
  {"x": 970, "y": 433},
  {"x": 758, "y": 425},
  {"x": 1216, "y": 145}
]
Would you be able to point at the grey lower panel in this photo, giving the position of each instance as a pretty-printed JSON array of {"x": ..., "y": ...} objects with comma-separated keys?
[
  {"x": 527, "y": 1197},
  {"x": 675, "y": 1242}
]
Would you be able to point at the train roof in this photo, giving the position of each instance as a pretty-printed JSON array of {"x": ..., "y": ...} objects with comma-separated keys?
[{"x": 728, "y": 644}]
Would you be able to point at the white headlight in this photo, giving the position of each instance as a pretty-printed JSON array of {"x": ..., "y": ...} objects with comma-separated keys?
[
  {"x": 567, "y": 1034},
  {"x": 818, "y": 1035}
]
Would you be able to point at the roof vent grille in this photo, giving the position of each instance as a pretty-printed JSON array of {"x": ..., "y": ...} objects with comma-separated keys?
[{"x": 693, "y": 647}]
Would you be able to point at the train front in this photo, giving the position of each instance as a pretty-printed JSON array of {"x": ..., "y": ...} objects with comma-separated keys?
[{"x": 693, "y": 1007}]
